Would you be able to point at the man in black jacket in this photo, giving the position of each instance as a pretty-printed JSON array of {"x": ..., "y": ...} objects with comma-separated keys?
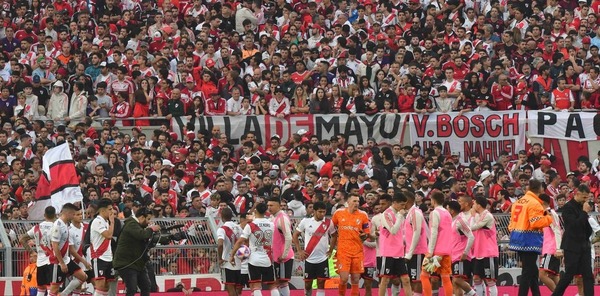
[
  {"x": 576, "y": 242},
  {"x": 129, "y": 258}
]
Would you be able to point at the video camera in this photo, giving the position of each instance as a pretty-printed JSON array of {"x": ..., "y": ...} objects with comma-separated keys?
[{"x": 165, "y": 235}]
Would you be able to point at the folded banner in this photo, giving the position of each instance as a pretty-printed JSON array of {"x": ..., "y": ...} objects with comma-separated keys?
[
  {"x": 487, "y": 133},
  {"x": 579, "y": 126},
  {"x": 58, "y": 184},
  {"x": 384, "y": 128}
]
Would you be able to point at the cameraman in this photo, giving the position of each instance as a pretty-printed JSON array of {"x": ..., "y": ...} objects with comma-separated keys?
[{"x": 130, "y": 257}]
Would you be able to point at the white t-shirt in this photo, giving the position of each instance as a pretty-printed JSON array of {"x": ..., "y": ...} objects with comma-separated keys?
[
  {"x": 41, "y": 235},
  {"x": 100, "y": 245},
  {"x": 259, "y": 236},
  {"x": 229, "y": 233},
  {"x": 319, "y": 163},
  {"x": 60, "y": 235},
  {"x": 308, "y": 227},
  {"x": 234, "y": 105}
]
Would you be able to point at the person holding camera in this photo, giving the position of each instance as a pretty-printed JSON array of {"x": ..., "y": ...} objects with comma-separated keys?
[{"x": 131, "y": 254}]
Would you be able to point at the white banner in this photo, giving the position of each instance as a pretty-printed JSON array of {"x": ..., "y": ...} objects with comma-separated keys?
[
  {"x": 385, "y": 128},
  {"x": 574, "y": 126},
  {"x": 487, "y": 133}
]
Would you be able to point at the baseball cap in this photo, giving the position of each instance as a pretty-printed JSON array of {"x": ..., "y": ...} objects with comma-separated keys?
[
  {"x": 36, "y": 79},
  {"x": 103, "y": 64},
  {"x": 210, "y": 63},
  {"x": 586, "y": 40}
]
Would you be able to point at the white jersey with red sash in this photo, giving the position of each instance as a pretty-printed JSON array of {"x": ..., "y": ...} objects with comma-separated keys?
[
  {"x": 229, "y": 232},
  {"x": 277, "y": 107},
  {"x": 76, "y": 236},
  {"x": 60, "y": 235},
  {"x": 452, "y": 86},
  {"x": 316, "y": 238},
  {"x": 259, "y": 234},
  {"x": 351, "y": 105},
  {"x": 100, "y": 246},
  {"x": 41, "y": 236}
]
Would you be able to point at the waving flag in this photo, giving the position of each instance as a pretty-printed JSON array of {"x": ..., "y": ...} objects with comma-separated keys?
[{"x": 58, "y": 184}]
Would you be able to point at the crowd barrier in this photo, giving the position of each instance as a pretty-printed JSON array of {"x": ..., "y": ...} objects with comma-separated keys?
[{"x": 194, "y": 261}]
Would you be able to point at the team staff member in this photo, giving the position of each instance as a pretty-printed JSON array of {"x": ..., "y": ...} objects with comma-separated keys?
[
  {"x": 576, "y": 242},
  {"x": 527, "y": 221},
  {"x": 129, "y": 257},
  {"x": 353, "y": 228}
]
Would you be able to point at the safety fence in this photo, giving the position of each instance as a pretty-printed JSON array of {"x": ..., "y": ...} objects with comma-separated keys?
[{"x": 193, "y": 248}]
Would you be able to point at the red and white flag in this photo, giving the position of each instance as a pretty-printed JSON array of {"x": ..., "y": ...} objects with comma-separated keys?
[{"x": 58, "y": 184}]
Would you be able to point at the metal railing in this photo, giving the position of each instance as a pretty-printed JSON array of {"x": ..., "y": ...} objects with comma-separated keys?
[{"x": 196, "y": 253}]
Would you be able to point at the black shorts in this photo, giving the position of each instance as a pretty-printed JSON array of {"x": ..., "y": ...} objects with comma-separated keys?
[
  {"x": 462, "y": 269},
  {"x": 59, "y": 277},
  {"x": 415, "y": 264},
  {"x": 262, "y": 274},
  {"x": 283, "y": 271},
  {"x": 313, "y": 271},
  {"x": 550, "y": 264},
  {"x": 44, "y": 275},
  {"x": 231, "y": 277},
  {"x": 392, "y": 267},
  {"x": 244, "y": 279},
  {"x": 103, "y": 270},
  {"x": 486, "y": 268},
  {"x": 369, "y": 273}
]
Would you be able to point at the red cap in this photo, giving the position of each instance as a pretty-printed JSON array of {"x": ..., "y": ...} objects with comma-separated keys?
[
  {"x": 348, "y": 162},
  {"x": 343, "y": 55},
  {"x": 182, "y": 151},
  {"x": 586, "y": 40},
  {"x": 546, "y": 162},
  {"x": 173, "y": 136},
  {"x": 210, "y": 63},
  {"x": 381, "y": 36}
]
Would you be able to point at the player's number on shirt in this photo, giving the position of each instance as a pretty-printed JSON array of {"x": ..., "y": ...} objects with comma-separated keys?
[
  {"x": 263, "y": 237},
  {"x": 516, "y": 212}
]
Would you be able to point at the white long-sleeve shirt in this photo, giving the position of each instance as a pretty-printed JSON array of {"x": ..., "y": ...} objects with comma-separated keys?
[
  {"x": 78, "y": 107},
  {"x": 58, "y": 106}
]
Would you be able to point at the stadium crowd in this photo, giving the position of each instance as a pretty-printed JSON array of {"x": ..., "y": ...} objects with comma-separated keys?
[{"x": 65, "y": 65}]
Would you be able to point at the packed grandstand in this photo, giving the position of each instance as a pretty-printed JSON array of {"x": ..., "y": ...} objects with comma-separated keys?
[{"x": 188, "y": 108}]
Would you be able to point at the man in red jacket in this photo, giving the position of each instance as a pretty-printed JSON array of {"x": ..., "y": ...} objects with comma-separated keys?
[{"x": 503, "y": 93}]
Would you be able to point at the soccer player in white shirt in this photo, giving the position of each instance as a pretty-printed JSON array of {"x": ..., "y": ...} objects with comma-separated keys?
[
  {"x": 77, "y": 231},
  {"x": 101, "y": 232},
  {"x": 258, "y": 235},
  {"x": 227, "y": 236},
  {"x": 317, "y": 231},
  {"x": 40, "y": 234},
  {"x": 63, "y": 265}
]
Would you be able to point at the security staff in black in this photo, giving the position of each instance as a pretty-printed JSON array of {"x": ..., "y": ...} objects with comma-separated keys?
[
  {"x": 129, "y": 257},
  {"x": 576, "y": 243}
]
